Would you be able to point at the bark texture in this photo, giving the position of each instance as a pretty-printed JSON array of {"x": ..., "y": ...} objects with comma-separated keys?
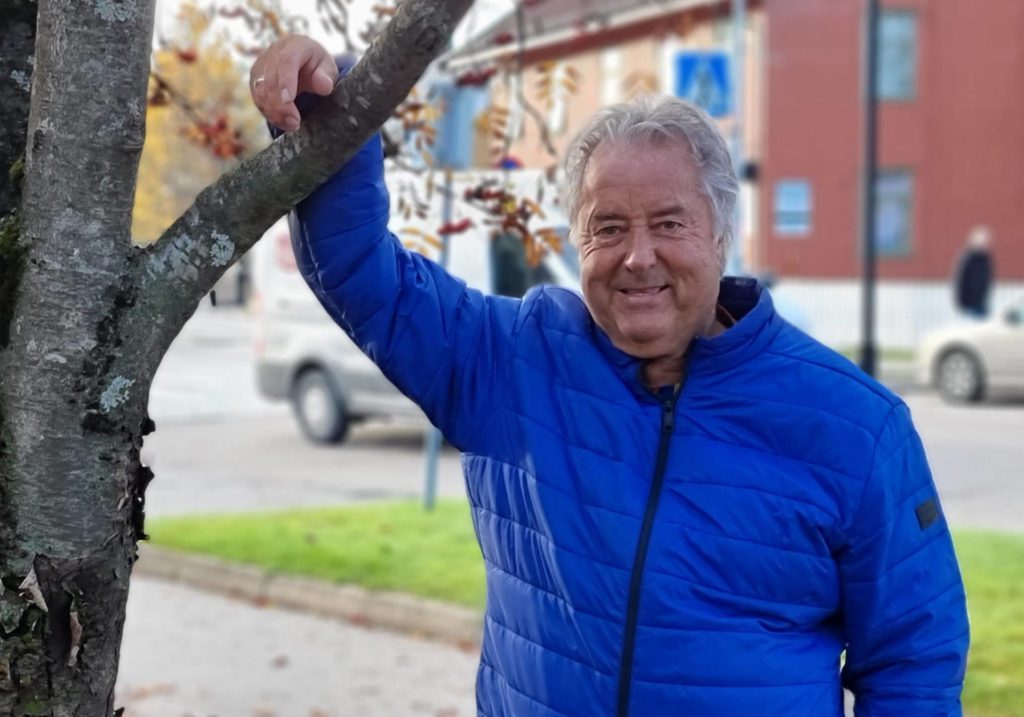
[
  {"x": 232, "y": 214},
  {"x": 72, "y": 429},
  {"x": 17, "y": 43},
  {"x": 91, "y": 316}
]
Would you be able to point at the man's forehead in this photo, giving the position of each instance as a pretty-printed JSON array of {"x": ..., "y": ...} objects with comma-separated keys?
[
  {"x": 627, "y": 147},
  {"x": 654, "y": 191},
  {"x": 638, "y": 163}
]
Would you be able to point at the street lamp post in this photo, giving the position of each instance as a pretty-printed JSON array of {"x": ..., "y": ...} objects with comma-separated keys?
[
  {"x": 432, "y": 440},
  {"x": 739, "y": 29},
  {"x": 868, "y": 352}
]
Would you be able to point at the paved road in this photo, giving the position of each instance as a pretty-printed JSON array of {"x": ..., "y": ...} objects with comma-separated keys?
[
  {"x": 208, "y": 370},
  {"x": 220, "y": 447},
  {"x": 977, "y": 459},
  {"x": 190, "y": 654},
  {"x": 250, "y": 463},
  {"x": 238, "y": 464}
]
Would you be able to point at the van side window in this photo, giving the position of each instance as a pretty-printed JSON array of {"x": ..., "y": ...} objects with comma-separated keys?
[{"x": 510, "y": 273}]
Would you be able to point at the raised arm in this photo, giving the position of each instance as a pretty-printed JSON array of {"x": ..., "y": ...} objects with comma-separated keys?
[{"x": 442, "y": 344}]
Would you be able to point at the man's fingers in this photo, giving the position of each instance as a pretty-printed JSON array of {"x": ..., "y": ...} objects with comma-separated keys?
[
  {"x": 321, "y": 77},
  {"x": 257, "y": 83},
  {"x": 290, "y": 66},
  {"x": 287, "y": 75},
  {"x": 257, "y": 87}
]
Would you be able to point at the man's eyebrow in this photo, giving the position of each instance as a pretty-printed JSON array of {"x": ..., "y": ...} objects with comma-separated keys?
[
  {"x": 670, "y": 210},
  {"x": 667, "y": 211},
  {"x": 606, "y": 216}
]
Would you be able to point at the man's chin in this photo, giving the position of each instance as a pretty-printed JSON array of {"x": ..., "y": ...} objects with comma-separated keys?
[{"x": 646, "y": 344}]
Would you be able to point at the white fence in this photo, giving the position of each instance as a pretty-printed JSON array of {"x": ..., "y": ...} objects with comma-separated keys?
[{"x": 906, "y": 310}]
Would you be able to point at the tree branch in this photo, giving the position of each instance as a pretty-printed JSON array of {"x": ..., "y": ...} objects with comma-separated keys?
[
  {"x": 542, "y": 125},
  {"x": 228, "y": 217},
  {"x": 85, "y": 134}
]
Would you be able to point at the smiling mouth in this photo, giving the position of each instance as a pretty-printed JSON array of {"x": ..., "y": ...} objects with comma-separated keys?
[{"x": 650, "y": 291}]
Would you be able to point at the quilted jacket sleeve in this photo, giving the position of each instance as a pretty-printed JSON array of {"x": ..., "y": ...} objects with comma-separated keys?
[
  {"x": 439, "y": 342},
  {"x": 903, "y": 599}
]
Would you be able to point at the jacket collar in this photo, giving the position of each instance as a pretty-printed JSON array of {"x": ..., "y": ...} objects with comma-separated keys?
[{"x": 756, "y": 325}]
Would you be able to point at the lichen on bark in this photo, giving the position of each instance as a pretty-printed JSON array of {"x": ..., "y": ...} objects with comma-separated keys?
[{"x": 12, "y": 264}]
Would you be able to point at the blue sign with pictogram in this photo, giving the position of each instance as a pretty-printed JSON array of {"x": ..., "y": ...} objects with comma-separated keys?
[{"x": 704, "y": 79}]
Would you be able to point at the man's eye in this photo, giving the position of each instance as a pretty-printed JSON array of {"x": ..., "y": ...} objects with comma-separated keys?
[
  {"x": 608, "y": 231},
  {"x": 670, "y": 225}
]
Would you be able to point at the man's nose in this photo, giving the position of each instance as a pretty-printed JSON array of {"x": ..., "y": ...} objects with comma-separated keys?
[{"x": 640, "y": 254}]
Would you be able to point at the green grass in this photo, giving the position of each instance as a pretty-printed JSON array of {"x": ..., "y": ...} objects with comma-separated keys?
[
  {"x": 884, "y": 354},
  {"x": 398, "y": 546},
  {"x": 993, "y": 569},
  {"x": 381, "y": 546}
]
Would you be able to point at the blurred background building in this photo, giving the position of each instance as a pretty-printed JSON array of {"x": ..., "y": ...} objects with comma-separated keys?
[{"x": 950, "y": 123}]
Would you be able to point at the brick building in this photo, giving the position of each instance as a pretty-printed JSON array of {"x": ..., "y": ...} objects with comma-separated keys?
[{"x": 951, "y": 132}]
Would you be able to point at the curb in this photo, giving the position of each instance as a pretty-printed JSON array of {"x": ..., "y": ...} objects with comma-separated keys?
[
  {"x": 397, "y": 612},
  {"x": 900, "y": 376}
]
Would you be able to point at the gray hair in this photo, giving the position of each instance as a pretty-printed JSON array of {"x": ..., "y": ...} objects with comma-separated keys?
[{"x": 652, "y": 120}]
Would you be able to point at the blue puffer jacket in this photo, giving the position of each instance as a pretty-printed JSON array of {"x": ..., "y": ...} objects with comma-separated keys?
[{"x": 706, "y": 555}]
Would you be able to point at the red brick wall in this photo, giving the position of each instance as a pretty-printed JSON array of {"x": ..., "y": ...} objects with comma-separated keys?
[{"x": 962, "y": 137}]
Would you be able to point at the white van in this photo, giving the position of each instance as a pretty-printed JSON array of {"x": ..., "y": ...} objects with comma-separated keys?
[{"x": 303, "y": 357}]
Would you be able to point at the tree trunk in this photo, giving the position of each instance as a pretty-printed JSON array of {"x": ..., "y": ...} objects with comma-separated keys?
[
  {"x": 17, "y": 43},
  {"x": 87, "y": 316},
  {"x": 73, "y": 425}
]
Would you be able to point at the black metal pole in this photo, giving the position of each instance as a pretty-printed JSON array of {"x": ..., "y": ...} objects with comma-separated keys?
[{"x": 868, "y": 352}]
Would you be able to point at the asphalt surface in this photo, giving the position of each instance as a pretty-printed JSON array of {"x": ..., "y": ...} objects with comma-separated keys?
[
  {"x": 261, "y": 463},
  {"x": 976, "y": 455},
  {"x": 220, "y": 447},
  {"x": 191, "y": 654}
]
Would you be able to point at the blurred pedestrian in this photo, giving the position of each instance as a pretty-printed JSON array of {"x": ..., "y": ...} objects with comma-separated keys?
[
  {"x": 974, "y": 274},
  {"x": 685, "y": 505}
]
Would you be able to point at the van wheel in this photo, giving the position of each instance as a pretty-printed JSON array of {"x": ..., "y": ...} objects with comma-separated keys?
[
  {"x": 959, "y": 377},
  {"x": 319, "y": 408}
]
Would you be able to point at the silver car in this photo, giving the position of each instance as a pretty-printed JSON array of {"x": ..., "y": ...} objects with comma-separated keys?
[
  {"x": 302, "y": 357},
  {"x": 972, "y": 360}
]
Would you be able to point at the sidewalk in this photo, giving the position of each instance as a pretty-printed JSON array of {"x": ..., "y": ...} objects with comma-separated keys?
[
  {"x": 455, "y": 633},
  {"x": 187, "y": 653},
  {"x": 398, "y": 612}
]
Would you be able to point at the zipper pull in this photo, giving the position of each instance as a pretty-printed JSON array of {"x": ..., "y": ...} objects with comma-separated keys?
[{"x": 668, "y": 417}]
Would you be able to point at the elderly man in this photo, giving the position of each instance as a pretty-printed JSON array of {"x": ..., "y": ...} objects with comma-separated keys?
[{"x": 685, "y": 505}]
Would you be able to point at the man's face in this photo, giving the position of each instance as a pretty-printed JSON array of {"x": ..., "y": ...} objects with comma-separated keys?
[{"x": 649, "y": 260}]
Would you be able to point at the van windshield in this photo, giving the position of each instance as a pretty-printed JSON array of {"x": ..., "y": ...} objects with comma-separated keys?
[{"x": 512, "y": 274}]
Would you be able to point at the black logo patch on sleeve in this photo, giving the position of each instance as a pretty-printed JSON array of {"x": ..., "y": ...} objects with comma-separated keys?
[{"x": 927, "y": 513}]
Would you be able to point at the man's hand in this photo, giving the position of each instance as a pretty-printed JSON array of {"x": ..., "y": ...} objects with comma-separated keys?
[{"x": 292, "y": 65}]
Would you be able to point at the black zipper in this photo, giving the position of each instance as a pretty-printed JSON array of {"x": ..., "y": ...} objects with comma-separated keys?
[{"x": 668, "y": 408}]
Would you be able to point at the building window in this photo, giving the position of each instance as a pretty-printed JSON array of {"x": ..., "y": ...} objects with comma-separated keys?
[
  {"x": 897, "y": 55},
  {"x": 794, "y": 204},
  {"x": 894, "y": 204}
]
